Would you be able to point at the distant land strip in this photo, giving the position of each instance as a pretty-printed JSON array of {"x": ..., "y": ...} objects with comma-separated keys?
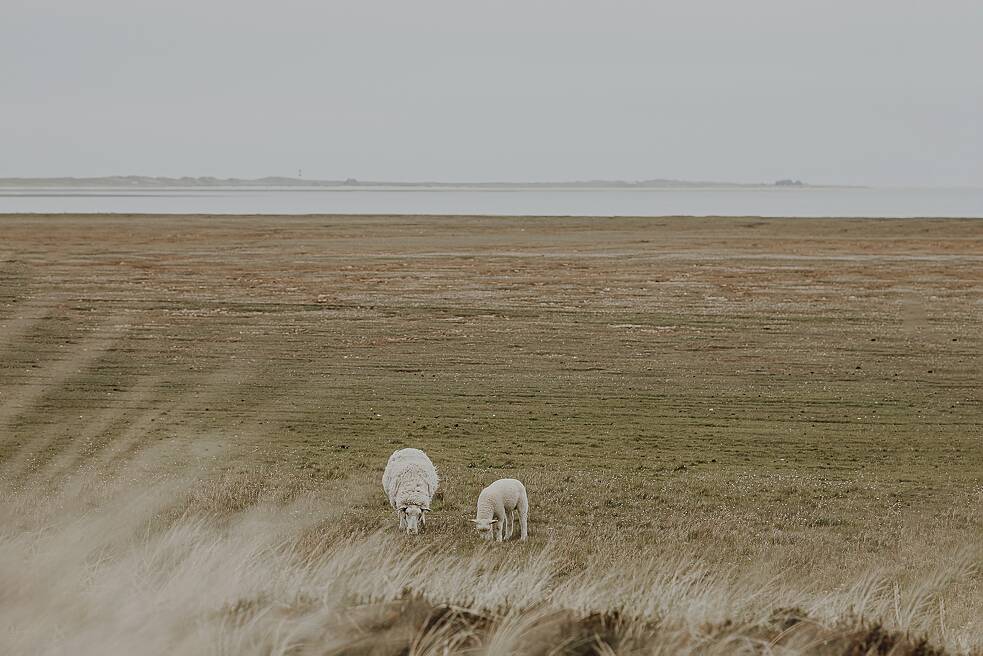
[{"x": 140, "y": 181}]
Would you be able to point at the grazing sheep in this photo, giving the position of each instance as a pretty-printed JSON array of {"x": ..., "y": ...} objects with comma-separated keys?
[
  {"x": 497, "y": 506},
  {"x": 410, "y": 481}
]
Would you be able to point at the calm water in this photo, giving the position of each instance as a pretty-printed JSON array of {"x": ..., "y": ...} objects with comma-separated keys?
[{"x": 636, "y": 202}]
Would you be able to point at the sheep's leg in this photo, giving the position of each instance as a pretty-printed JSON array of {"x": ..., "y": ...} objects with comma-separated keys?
[
  {"x": 402, "y": 520},
  {"x": 524, "y": 518},
  {"x": 499, "y": 515}
]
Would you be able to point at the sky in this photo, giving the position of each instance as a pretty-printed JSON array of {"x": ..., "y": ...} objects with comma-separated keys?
[{"x": 870, "y": 92}]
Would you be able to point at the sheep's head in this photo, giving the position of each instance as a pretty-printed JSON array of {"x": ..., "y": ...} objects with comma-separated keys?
[
  {"x": 484, "y": 527},
  {"x": 413, "y": 517}
]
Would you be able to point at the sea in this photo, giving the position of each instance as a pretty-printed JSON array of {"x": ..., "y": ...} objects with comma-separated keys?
[{"x": 752, "y": 201}]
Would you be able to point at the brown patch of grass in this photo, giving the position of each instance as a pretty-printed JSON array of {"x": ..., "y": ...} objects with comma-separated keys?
[
  {"x": 714, "y": 424},
  {"x": 246, "y": 568}
]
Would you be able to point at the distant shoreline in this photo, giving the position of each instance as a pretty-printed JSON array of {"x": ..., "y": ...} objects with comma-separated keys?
[{"x": 153, "y": 182}]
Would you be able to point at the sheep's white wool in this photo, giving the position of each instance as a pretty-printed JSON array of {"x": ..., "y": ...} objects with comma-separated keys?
[
  {"x": 410, "y": 481},
  {"x": 498, "y": 505}
]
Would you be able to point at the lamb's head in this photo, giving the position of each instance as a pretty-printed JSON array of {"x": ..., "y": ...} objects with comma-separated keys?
[
  {"x": 412, "y": 516},
  {"x": 484, "y": 527}
]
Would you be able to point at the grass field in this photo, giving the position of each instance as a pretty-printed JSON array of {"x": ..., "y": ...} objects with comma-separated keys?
[{"x": 738, "y": 435}]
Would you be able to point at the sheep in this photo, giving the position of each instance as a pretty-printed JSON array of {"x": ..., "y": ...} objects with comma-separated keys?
[
  {"x": 497, "y": 506},
  {"x": 410, "y": 481}
]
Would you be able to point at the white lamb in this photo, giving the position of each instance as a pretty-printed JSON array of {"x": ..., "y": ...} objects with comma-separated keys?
[
  {"x": 410, "y": 481},
  {"x": 497, "y": 506}
]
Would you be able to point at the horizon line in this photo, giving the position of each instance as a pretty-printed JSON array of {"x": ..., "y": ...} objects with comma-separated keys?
[{"x": 355, "y": 182}]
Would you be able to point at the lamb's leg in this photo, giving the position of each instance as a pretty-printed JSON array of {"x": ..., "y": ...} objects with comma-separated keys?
[
  {"x": 402, "y": 520},
  {"x": 499, "y": 528},
  {"x": 523, "y": 518}
]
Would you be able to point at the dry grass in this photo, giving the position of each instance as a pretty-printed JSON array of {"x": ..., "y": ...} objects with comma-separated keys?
[
  {"x": 737, "y": 435},
  {"x": 141, "y": 561}
]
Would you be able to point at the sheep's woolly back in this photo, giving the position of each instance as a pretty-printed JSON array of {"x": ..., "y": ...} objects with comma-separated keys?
[
  {"x": 505, "y": 492},
  {"x": 414, "y": 485},
  {"x": 410, "y": 478}
]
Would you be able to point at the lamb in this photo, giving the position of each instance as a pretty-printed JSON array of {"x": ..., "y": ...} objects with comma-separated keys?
[
  {"x": 410, "y": 481},
  {"x": 497, "y": 506}
]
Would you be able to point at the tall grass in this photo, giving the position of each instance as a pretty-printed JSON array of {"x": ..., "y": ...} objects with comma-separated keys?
[{"x": 141, "y": 562}]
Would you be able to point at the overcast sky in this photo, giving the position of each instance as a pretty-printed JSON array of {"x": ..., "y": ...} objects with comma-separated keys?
[{"x": 882, "y": 92}]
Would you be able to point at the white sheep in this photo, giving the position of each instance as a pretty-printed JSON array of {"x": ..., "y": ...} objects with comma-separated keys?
[
  {"x": 497, "y": 506},
  {"x": 410, "y": 481}
]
